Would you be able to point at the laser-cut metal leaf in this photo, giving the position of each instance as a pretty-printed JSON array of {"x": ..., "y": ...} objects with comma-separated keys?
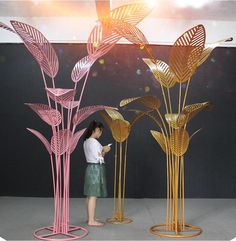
[
  {"x": 46, "y": 113},
  {"x": 38, "y": 46},
  {"x": 42, "y": 139},
  {"x": 186, "y": 52}
]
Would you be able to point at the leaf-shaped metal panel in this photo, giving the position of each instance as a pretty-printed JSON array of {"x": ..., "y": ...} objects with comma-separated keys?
[
  {"x": 61, "y": 95},
  {"x": 46, "y": 113},
  {"x": 161, "y": 140},
  {"x": 114, "y": 114},
  {"x": 75, "y": 139},
  {"x": 186, "y": 52},
  {"x": 120, "y": 129},
  {"x": 207, "y": 51},
  {"x": 132, "y": 13},
  {"x": 85, "y": 112},
  {"x": 179, "y": 141},
  {"x": 176, "y": 120},
  {"x": 129, "y": 32},
  {"x": 192, "y": 110},
  {"x": 151, "y": 102},
  {"x": 60, "y": 141},
  {"x": 102, "y": 38},
  {"x": 38, "y": 46},
  {"x": 69, "y": 104},
  {"x": 161, "y": 72},
  {"x": 41, "y": 138},
  {"x": 82, "y": 67}
]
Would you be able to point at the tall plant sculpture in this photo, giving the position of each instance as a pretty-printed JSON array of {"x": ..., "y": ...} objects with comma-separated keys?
[
  {"x": 120, "y": 129},
  {"x": 62, "y": 103},
  {"x": 187, "y": 53}
]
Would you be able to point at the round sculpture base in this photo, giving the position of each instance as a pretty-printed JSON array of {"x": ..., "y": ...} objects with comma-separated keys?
[
  {"x": 117, "y": 220},
  {"x": 46, "y": 233},
  {"x": 188, "y": 231}
]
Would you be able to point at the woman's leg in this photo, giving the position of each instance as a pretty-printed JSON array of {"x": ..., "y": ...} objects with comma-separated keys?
[{"x": 91, "y": 212}]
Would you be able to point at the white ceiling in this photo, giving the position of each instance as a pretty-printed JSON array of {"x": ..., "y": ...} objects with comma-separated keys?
[{"x": 72, "y": 21}]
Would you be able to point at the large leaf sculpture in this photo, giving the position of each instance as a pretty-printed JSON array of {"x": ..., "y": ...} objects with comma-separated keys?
[
  {"x": 38, "y": 46},
  {"x": 147, "y": 101},
  {"x": 120, "y": 129},
  {"x": 186, "y": 55},
  {"x": 63, "y": 112},
  {"x": 60, "y": 141},
  {"x": 42, "y": 139},
  {"x": 75, "y": 139},
  {"x": 46, "y": 113},
  {"x": 161, "y": 72}
]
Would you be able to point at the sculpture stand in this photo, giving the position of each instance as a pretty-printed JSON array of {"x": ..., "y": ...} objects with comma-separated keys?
[
  {"x": 175, "y": 226},
  {"x": 50, "y": 235},
  {"x": 119, "y": 187}
]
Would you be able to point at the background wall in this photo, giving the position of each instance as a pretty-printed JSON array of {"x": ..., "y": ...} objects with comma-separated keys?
[{"x": 209, "y": 163}]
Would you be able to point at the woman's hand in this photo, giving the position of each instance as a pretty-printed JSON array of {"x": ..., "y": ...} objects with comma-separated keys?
[{"x": 106, "y": 149}]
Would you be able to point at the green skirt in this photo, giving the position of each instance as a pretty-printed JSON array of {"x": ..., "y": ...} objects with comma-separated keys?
[{"x": 95, "y": 180}]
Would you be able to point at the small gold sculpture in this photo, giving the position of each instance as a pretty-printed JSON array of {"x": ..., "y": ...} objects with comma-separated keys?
[
  {"x": 186, "y": 55},
  {"x": 120, "y": 129}
]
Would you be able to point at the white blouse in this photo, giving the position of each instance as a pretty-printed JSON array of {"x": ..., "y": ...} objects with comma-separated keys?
[{"x": 93, "y": 151}]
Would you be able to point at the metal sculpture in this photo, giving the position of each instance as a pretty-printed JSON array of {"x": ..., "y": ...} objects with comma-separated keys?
[
  {"x": 62, "y": 105},
  {"x": 120, "y": 129},
  {"x": 186, "y": 55}
]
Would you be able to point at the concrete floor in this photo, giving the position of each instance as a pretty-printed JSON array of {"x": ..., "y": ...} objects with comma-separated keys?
[{"x": 20, "y": 216}]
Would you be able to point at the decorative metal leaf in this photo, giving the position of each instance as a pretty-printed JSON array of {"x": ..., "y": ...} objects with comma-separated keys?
[
  {"x": 61, "y": 95},
  {"x": 192, "y": 110},
  {"x": 6, "y": 27},
  {"x": 102, "y": 38},
  {"x": 161, "y": 72},
  {"x": 69, "y": 104},
  {"x": 207, "y": 51},
  {"x": 120, "y": 129},
  {"x": 161, "y": 139},
  {"x": 185, "y": 53},
  {"x": 43, "y": 139},
  {"x": 114, "y": 114},
  {"x": 38, "y": 46},
  {"x": 46, "y": 113},
  {"x": 132, "y": 13},
  {"x": 130, "y": 32},
  {"x": 179, "y": 141},
  {"x": 75, "y": 139},
  {"x": 82, "y": 67},
  {"x": 85, "y": 112},
  {"x": 151, "y": 102},
  {"x": 176, "y": 120},
  {"x": 60, "y": 141}
]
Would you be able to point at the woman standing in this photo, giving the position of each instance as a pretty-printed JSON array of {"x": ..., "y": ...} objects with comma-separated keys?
[{"x": 95, "y": 175}]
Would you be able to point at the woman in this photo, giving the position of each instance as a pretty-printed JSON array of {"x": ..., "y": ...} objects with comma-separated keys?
[{"x": 95, "y": 176}]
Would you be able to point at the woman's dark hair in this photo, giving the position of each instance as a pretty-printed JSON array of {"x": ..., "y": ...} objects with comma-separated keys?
[{"x": 92, "y": 126}]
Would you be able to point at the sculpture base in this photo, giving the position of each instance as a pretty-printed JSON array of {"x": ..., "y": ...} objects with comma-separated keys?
[
  {"x": 46, "y": 233},
  {"x": 188, "y": 231},
  {"x": 117, "y": 220}
]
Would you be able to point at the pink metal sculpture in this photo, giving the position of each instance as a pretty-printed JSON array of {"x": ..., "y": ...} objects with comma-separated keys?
[{"x": 61, "y": 102}]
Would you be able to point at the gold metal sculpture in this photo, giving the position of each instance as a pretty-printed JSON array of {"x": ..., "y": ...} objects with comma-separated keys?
[
  {"x": 186, "y": 55},
  {"x": 120, "y": 129}
]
